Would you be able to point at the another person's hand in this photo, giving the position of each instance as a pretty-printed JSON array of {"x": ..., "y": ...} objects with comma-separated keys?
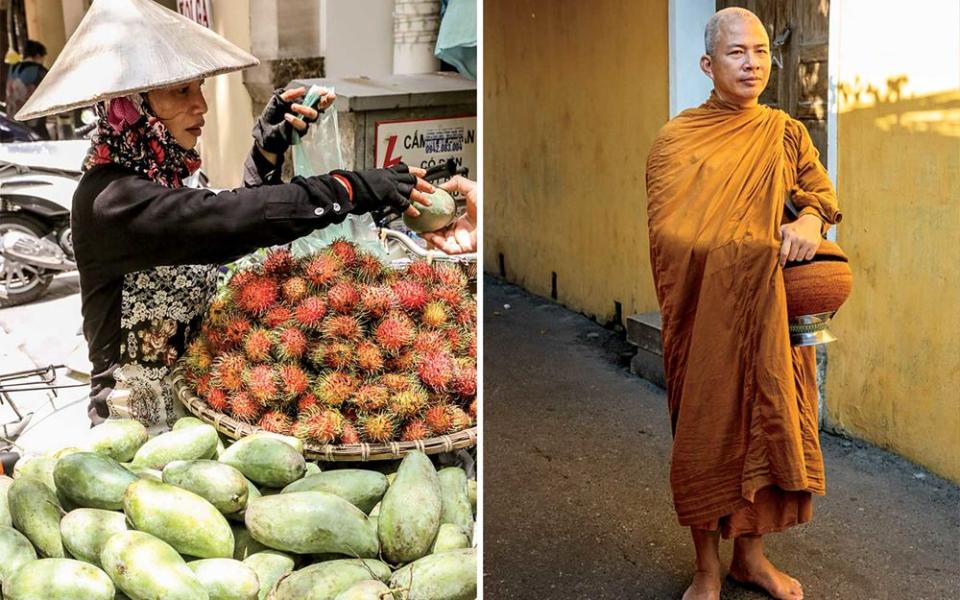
[
  {"x": 801, "y": 239},
  {"x": 460, "y": 236},
  {"x": 397, "y": 187},
  {"x": 274, "y": 129}
]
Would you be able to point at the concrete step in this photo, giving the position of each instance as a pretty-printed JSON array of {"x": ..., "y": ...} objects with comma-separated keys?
[{"x": 644, "y": 332}]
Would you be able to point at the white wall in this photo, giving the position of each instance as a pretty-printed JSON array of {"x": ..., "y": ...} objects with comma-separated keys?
[
  {"x": 357, "y": 37},
  {"x": 689, "y": 87}
]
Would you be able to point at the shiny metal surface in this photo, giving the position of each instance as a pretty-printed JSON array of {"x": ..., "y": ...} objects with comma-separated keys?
[{"x": 811, "y": 330}]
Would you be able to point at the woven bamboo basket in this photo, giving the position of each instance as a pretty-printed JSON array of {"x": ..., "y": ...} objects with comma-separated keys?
[{"x": 235, "y": 430}]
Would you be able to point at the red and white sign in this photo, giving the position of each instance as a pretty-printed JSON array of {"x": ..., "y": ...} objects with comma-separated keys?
[
  {"x": 198, "y": 11},
  {"x": 426, "y": 143}
]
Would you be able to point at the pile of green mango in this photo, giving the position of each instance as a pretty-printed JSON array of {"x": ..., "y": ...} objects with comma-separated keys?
[{"x": 182, "y": 516}]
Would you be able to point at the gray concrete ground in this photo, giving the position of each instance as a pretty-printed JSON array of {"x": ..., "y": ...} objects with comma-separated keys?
[
  {"x": 41, "y": 333},
  {"x": 576, "y": 492}
]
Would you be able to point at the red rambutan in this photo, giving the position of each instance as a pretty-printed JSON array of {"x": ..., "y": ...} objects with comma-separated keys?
[
  {"x": 342, "y": 327},
  {"x": 350, "y": 434},
  {"x": 244, "y": 407},
  {"x": 279, "y": 262},
  {"x": 465, "y": 313},
  {"x": 397, "y": 382},
  {"x": 472, "y": 409},
  {"x": 261, "y": 382},
  {"x": 333, "y": 389},
  {"x": 345, "y": 251},
  {"x": 343, "y": 297},
  {"x": 202, "y": 384},
  {"x": 339, "y": 356},
  {"x": 217, "y": 399},
  {"x": 377, "y": 300},
  {"x": 430, "y": 341},
  {"x": 369, "y": 267},
  {"x": 277, "y": 316},
  {"x": 236, "y": 328},
  {"x": 408, "y": 403},
  {"x": 306, "y": 402},
  {"x": 415, "y": 430},
  {"x": 320, "y": 425},
  {"x": 464, "y": 381},
  {"x": 439, "y": 419},
  {"x": 460, "y": 420},
  {"x": 198, "y": 357},
  {"x": 435, "y": 314},
  {"x": 377, "y": 428},
  {"x": 240, "y": 279},
  {"x": 217, "y": 343},
  {"x": 276, "y": 421},
  {"x": 450, "y": 275},
  {"x": 228, "y": 371},
  {"x": 448, "y": 294},
  {"x": 257, "y": 344},
  {"x": 420, "y": 271},
  {"x": 310, "y": 312},
  {"x": 291, "y": 343},
  {"x": 257, "y": 296},
  {"x": 294, "y": 289},
  {"x": 294, "y": 381},
  {"x": 317, "y": 355},
  {"x": 219, "y": 309},
  {"x": 323, "y": 269},
  {"x": 394, "y": 332},
  {"x": 371, "y": 397},
  {"x": 403, "y": 361},
  {"x": 455, "y": 337},
  {"x": 435, "y": 370},
  {"x": 411, "y": 296},
  {"x": 369, "y": 357}
]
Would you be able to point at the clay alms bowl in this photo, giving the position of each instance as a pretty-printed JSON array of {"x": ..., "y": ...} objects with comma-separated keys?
[{"x": 819, "y": 285}]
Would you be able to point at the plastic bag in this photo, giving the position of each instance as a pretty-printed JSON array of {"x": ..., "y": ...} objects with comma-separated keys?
[{"x": 319, "y": 153}]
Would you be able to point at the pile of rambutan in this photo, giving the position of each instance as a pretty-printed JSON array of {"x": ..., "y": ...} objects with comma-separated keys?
[{"x": 338, "y": 348}]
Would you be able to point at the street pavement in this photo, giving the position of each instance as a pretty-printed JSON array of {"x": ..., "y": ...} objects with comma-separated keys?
[
  {"x": 576, "y": 497},
  {"x": 41, "y": 333}
]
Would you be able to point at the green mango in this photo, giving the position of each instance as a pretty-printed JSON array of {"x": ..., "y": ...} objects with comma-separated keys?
[
  {"x": 58, "y": 579},
  {"x": 91, "y": 480},
  {"x": 448, "y": 575},
  {"x": 410, "y": 511},
  {"x": 178, "y": 517},
  {"x": 35, "y": 511},
  {"x": 147, "y": 568},
  {"x": 85, "y": 530}
]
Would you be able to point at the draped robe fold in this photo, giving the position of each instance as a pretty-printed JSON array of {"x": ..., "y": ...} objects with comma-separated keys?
[{"x": 742, "y": 401}]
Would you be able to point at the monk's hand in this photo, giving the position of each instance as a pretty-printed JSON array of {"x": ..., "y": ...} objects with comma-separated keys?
[{"x": 801, "y": 239}]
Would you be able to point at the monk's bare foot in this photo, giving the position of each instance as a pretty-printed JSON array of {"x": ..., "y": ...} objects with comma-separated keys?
[
  {"x": 705, "y": 586},
  {"x": 760, "y": 572}
]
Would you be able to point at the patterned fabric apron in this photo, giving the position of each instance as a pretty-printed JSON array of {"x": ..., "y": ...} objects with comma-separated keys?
[{"x": 161, "y": 308}]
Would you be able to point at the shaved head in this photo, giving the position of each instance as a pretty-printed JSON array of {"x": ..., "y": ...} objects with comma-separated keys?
[{"x": 721, "y": 20}]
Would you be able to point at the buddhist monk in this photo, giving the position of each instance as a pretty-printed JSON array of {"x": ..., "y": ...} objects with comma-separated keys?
[{"x": 746, "y": 456}]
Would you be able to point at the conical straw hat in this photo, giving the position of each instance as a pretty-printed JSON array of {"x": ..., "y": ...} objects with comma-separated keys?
[{"x": 127, "y": 46}]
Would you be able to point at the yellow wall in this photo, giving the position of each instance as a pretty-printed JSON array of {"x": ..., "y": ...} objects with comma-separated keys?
[
  {"x": 574, "y": 93},
  {"x": 226, "y": 137},
  {"x": 894, "y": 376}
]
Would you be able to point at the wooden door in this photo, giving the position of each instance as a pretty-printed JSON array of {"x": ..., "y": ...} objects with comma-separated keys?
[{"x": 799, "y": 86}]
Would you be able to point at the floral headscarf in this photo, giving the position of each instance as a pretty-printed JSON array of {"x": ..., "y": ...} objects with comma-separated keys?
[{"x": 130, "y": 135}]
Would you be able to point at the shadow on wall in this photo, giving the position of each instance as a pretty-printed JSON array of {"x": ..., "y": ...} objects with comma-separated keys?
[
  {"x": 894, "y": 110},
  {"x": 894, "y": 375}
]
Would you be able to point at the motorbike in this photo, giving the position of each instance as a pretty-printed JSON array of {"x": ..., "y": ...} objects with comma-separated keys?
[{"x": 37, "y": 182}]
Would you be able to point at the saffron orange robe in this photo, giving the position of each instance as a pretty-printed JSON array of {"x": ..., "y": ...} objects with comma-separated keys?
[{"x": 743, "y": 402}]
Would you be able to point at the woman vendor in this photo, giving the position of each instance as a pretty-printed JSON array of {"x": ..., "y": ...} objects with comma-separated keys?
[{"x": 148, "y": 248}]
